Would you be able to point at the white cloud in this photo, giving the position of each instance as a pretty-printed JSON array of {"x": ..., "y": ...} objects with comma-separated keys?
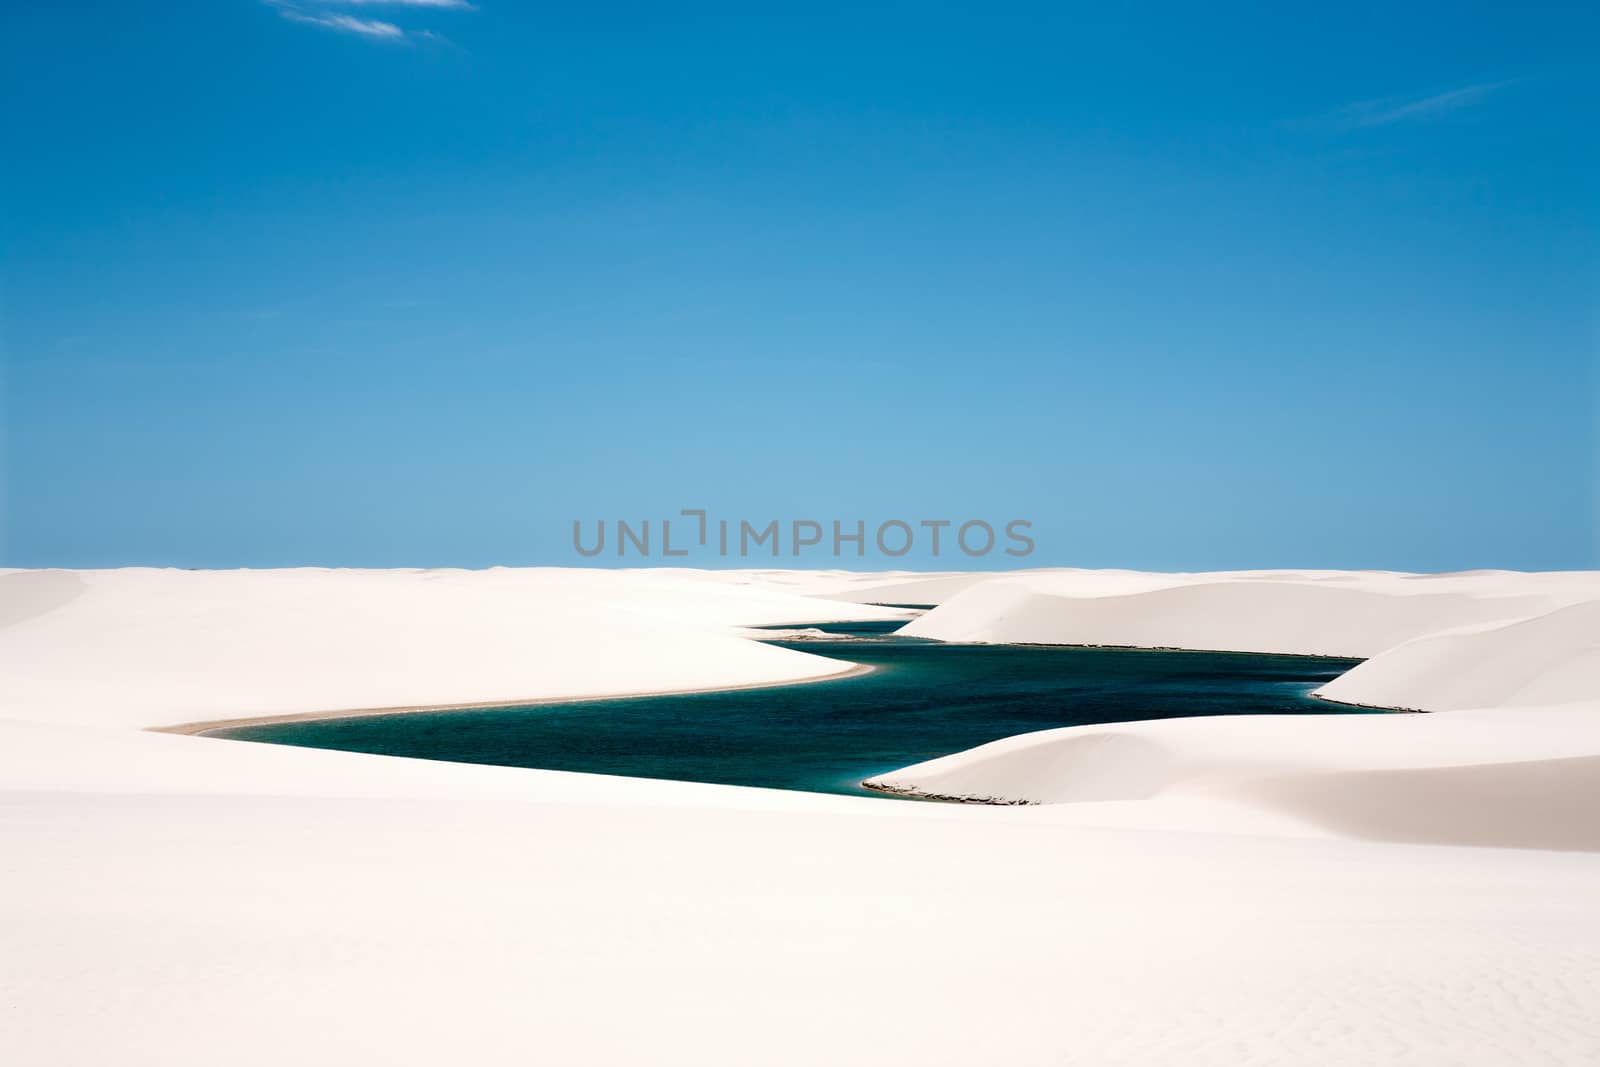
[
  {"x": 375, "y": 28},
  {"x": 1392, "y": 109},
  {"x": 461, "y": 5},
  {"x": 322, "y": 13}
]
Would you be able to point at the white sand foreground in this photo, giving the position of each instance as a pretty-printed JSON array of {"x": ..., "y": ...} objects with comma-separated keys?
[{"x": 1360, "y": 889}]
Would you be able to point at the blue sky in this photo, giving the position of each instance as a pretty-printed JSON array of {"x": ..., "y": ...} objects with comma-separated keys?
[{"x": 418, "y": 284}]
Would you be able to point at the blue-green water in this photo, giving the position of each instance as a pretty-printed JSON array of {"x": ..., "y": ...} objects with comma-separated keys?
[{"x": 922, "y": 700}]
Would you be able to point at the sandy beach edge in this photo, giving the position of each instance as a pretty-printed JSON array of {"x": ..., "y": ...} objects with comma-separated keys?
[{"x": 208, "y": 726}]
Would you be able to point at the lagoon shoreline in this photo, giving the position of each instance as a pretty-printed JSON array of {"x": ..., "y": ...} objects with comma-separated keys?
[{"x": 209, "y": 727}]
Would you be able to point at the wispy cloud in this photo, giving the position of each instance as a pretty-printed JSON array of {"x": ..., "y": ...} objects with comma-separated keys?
[
  {"x": 325, "y": 13},
  {"x": 1388, "y": 110},
  {"x": 375, "y": 28},
  {"x": 459, "y": 5}
]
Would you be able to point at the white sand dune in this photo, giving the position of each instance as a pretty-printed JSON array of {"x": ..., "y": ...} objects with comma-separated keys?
[
  {"x": 1550, "y": 658},
  {"x": 1226, "y": 891},
  {"x": 152, "y": 647},
  {"x": 1333, "y": 614},
  {"x": 1256, "y": 763},
  {"x": 905, "y": 588},
  {"x": 1514, "y": 772}
]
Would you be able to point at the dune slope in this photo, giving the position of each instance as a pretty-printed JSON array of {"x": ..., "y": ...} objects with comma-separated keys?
[
  {"x": 1513, "y": 659},
  {"x": 1224, "y": 891}
]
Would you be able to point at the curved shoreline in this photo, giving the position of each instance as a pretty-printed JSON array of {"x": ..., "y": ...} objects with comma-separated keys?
[
  {"x": 208, "y": 726},
  {"x": 911, "y": 792},
  {"x": 1141, "y": 648},
  {"x": 1394, "y": 709}
]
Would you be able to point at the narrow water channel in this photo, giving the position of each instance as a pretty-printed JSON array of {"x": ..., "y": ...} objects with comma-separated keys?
[{"x": 922, "y": 699}]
